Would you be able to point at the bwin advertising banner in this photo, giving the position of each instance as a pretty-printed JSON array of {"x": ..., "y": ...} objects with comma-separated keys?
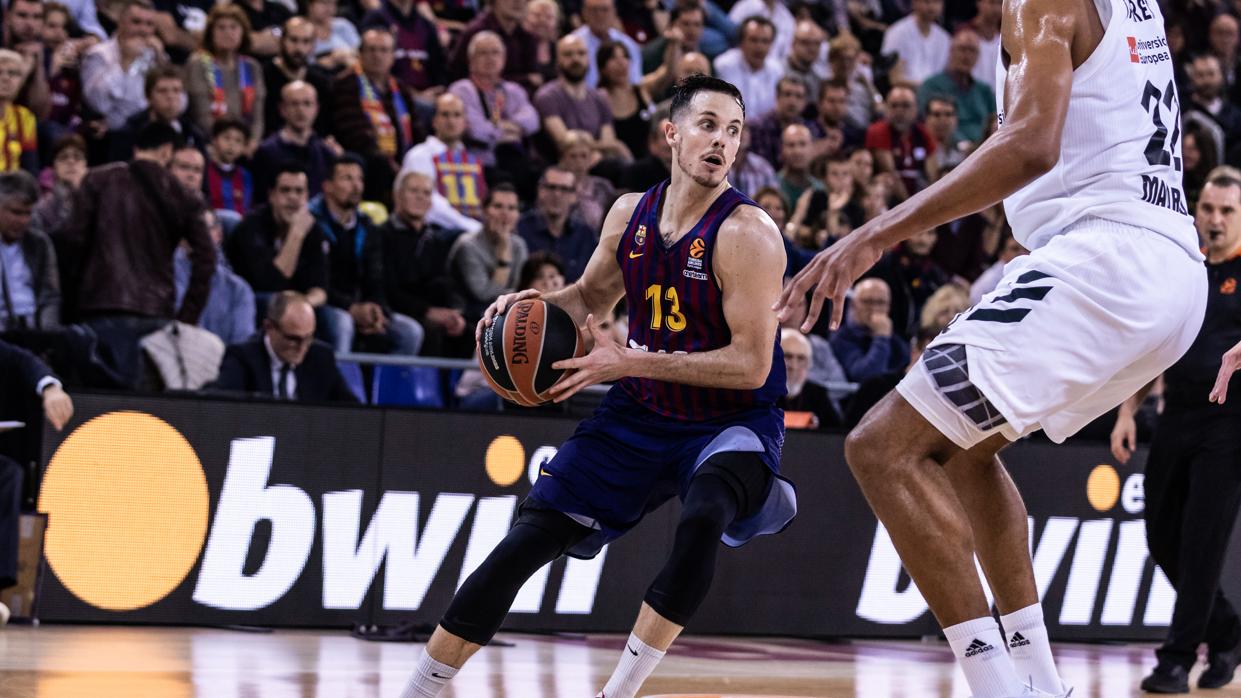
[{"x": 180, "y": 511}]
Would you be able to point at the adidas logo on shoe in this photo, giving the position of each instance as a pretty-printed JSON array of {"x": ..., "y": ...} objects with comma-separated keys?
[
  {"x": 977, "y": 647},
  {"x": 1017, "y": 640}
]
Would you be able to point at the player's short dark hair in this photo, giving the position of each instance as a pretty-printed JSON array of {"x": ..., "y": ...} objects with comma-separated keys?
[
  {"x": 160, "y": 71},
  {"x": 227, "y": 123},
  {"x": 346, "y": 158},
  {"x": 687, "y": 87},
  {"x": 499, "y": 188},
  {"x": 286, "y": 167},
  {"x": 156, "y": 135}
]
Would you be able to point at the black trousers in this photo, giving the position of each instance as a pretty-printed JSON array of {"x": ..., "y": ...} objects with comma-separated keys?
[
  {"x": 10, "y": 511},
  {"x": 1193, "y": 491}
]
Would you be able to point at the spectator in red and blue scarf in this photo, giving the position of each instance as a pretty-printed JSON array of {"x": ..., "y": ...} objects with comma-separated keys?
[{"x": 222, "y": 79}]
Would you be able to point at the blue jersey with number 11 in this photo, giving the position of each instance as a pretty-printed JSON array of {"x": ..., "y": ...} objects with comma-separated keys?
[{"x": 676, "y": 305}]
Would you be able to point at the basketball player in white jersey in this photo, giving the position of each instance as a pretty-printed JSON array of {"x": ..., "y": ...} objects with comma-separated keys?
[{"x": 1087, "y": 160}]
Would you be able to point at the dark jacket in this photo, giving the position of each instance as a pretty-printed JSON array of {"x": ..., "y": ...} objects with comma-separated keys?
[
  {"x": 247, "y": 369},
  {"x": 40, "y": 256},
  {"x": 251, "y": 251},
  {"x": 416, "y": 268},
  {"x": 314, "y": 158},
  {"x": 118, "y": 244},
  {"x": 353, "y": 128},
  {"x": 354, "y": 258},
  {"x": 20, "y": 373},
  {"x": 812, "y": 398},
  {"x": 864, "y": 356}
]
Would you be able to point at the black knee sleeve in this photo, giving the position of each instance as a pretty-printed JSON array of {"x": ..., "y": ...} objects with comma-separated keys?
[
  {"x": 713, "y": 502},
  {"x": 482, "y": 602}
]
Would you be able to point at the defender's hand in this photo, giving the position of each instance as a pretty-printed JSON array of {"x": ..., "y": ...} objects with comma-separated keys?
[
  {"x": 605, "y": 363},
  {"x": 498, "y": 307},
  {"x": 1124, "y": 438},
  {"x": 1228, "y": 365},
  {"x": 831, "y": 274}
]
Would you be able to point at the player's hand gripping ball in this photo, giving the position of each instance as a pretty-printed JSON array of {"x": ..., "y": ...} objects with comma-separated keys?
[{"x": 519, "y": 347}]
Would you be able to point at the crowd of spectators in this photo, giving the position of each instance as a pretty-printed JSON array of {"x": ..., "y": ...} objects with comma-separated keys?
[{"x": 385, "y": 168}]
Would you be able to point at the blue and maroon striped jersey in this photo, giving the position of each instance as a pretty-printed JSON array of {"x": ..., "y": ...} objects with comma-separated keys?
[{"x": 676, "y": 305}]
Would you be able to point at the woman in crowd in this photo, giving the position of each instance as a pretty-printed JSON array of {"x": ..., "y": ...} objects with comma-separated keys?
[
  {"x": 336, "y": 39},
  {"x": 65, "y": 175},
  {"x": 595, "y": 195},
  {"x": 221, "y": 80},
  {"x": 632, "y": 106}
]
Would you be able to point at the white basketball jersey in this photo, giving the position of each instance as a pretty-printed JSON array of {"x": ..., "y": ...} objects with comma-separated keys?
[{"x": 1120, "y": 153}]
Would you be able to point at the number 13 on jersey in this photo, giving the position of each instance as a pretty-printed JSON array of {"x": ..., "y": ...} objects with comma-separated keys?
[{"x": 657, "y": 295}]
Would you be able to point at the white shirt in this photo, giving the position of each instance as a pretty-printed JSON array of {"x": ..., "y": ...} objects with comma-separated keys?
[
  {"x": 923, "y": 56},
  {"x": 276, "y": 364},
  {"x": 988, "y": 57},
  {"x": 111, "y": 90},
  {"x": 420, "y": 158},
  {"x": 758, "y": 87},
  {"x": 592, "y": 47},
  {"x": 779, "y": 15}
]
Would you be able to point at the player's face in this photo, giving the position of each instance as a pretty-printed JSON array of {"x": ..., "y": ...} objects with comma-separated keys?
[
  {"x": 706, "y": 136},
  {"x": 1218, "y": 218}
]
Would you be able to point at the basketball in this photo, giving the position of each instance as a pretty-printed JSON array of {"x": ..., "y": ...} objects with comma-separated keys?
[{"x": 520, "y": 346}]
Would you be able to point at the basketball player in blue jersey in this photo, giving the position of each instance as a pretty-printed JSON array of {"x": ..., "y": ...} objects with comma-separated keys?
[
  {"x": 1087, "y": 161},
  {"x": 693, "y": 414}
]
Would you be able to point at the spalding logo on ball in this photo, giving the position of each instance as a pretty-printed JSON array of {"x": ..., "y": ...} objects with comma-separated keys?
[{"x": 520, "y": 346}]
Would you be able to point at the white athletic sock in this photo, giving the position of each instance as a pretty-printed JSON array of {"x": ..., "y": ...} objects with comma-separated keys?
[
  {"x": 637, "y": 662},
  {"x": 1030, "y": 648},
  {"x": 979, "y": 648},
  {"x": 430, "y": 677}
]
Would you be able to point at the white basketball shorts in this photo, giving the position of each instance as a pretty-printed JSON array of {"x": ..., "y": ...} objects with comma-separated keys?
[{"x": 1073, "y": 329}]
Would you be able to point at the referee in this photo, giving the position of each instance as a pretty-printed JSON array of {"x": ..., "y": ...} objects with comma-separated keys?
[{"x": 1193, "y": 472}]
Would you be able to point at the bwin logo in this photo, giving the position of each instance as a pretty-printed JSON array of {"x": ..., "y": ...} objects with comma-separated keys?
[
  {"x": 153, "y": 473},
  {"x": 1094, "y": 544}
]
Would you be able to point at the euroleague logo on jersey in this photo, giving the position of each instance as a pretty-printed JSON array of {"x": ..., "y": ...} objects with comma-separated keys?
[
  {"x": 697, "y": 248},
  {"x": 1148, "y": 52}
]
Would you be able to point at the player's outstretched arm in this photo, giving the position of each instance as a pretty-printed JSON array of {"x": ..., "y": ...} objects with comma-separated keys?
[
  {"x": 749, "y": 266},
  {"x": 601, "y": 284},
  {"x": 1038, "y": 37}
]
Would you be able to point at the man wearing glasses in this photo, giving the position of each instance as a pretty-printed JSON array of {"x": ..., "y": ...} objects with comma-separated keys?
[
  {"x": 285, "y": 361},
  {"x": 551, "y": 225}
]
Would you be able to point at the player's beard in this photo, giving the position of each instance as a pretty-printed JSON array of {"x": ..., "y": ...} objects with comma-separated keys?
[{"x": 700, "y": 178}]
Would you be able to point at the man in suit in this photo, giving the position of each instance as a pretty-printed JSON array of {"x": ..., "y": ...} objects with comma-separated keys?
[
  {"x": 285, "y": 361},
  {"x": 23, "y": 377}
]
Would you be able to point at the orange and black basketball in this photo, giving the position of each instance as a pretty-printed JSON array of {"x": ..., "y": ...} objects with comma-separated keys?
[{"x": 520, "y": 346}]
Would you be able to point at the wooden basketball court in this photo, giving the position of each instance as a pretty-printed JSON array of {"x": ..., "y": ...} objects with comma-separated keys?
[{"x": 65, "y": 661}]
